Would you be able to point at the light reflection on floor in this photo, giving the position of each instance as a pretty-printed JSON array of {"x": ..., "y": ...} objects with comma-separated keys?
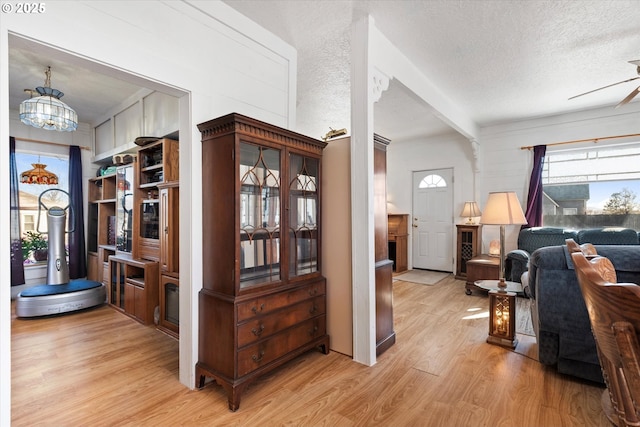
[{"x": 481, "y": 315}]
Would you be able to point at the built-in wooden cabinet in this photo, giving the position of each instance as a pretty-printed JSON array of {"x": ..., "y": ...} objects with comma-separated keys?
[
  {"x": 385, "y": 333},
  {"x": 101, "y": 229},
  {"x": 133, "y": 234},
  {"x": 133, "y": 286},
  {"x": 169, "y": 321},
  {"x": 169, "y": 258},
  {"x": 398, "y": 241},
  {"x": 263, "y": 298},
  {"x": 169, "y": 238},
  {"x": 157, "y": 164},
  {"x": 469, "y": 244}
]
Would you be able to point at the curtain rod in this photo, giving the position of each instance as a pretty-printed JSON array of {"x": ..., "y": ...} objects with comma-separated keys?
[
  {"x": 49, "y": 142},
  {"x": 595, "y": 140}
]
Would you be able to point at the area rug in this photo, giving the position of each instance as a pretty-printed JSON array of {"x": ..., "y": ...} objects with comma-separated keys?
[
  {"x": 523, "y": 317},
  {"x": 422, "y": 277}
]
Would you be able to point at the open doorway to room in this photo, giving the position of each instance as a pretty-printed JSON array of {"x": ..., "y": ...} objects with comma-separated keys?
[{"x": 96, "y": 90}]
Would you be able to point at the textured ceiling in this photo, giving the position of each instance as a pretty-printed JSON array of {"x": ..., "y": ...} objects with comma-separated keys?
[{"x": 497, "y": 61}]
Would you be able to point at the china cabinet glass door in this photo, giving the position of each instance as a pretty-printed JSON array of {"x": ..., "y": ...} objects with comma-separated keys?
[
  {"x": 259, "y": 215},
  {"x": 303, "y": 215}
]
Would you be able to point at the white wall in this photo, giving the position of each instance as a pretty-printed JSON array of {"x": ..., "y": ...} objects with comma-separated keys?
[
  {"x": 438, "y": 152},
  {"x": 505, "y": 167},
  {"x": 215, "y": 59}
]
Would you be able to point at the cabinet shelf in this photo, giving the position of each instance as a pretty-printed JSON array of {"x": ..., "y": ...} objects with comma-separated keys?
[
  {"x": 158, "y": 165},
  {"x": 149, "y": 185},
  {"x": 152, "y": 168},
  {"x": 136, "y": 281}
]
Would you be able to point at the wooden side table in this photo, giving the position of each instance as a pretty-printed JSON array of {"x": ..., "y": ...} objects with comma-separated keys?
[{"x": 481, "y": 267}]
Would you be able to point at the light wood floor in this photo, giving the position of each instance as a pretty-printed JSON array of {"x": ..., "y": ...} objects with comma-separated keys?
[{"x": 100, "y": 368}]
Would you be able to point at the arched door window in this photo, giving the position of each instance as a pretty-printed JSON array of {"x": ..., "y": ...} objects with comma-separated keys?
[{"x": 432, "y": 181}]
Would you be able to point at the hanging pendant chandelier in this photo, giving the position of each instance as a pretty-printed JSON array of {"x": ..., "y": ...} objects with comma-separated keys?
[
  {"x": 47, "y": 111},
  {"x": 39, "y": 175}
]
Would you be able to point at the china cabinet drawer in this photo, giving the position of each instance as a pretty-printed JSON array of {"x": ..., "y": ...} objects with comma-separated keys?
[
  {"x": 263, "y": 305},
  {"x": 268, "y": 325},
  {"x": 257, "y": 355}
]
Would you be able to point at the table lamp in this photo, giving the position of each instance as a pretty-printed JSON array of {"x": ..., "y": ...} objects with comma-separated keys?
[
  {"x": 502, "y": 208},
  {"x": 470, "y": 210}
]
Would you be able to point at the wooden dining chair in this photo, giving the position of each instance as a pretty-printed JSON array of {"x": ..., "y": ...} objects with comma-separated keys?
[
  {"x": 614, "y": 312},
  {"x": 586, "y": 248}
]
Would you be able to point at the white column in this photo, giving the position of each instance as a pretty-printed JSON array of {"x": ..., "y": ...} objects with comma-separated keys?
[{"x": 362, "y": 228}]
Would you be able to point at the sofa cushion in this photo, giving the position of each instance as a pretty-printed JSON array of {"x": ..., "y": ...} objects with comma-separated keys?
[
  {"x": 534, "y": 238},
  {"x": 608, "y": 236}
]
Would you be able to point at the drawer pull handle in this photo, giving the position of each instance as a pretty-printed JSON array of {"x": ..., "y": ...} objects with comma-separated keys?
[
  {"x": 258, "y": 357},
  {"x": 313, "y": 292},
  {"x": 313, "y": 309},
  {"x": 313, "y": 331},
  {"x": 256, "y": 309},
  {"x": 257, "y": 332}
]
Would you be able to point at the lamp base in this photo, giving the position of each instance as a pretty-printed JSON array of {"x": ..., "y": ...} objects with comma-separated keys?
[{"x": 502, "y": 341}]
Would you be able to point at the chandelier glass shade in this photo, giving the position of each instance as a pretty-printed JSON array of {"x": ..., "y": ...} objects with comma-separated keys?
[
  {"x": 47, "y": 111},
  {"x": 39, "y": 175}
]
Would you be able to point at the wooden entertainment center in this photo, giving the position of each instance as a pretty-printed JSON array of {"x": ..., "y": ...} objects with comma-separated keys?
[{"x": 132, "y": 237}]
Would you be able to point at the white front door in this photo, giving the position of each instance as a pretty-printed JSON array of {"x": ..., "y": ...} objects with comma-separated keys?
[{"x": 433, "y": 219}]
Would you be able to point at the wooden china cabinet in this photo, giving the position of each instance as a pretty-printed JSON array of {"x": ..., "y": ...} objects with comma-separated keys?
[{"x": 263, "y": 298}]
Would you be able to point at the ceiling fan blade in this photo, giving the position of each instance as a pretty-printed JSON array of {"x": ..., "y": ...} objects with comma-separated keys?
[
  {"x": 604, "y": 87},
  {"x": 636, "y": 62},
  {"x": 629, "y": 97}
]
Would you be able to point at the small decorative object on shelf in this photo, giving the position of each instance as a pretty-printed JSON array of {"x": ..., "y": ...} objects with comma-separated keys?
[{"x": 502, "y": 315}]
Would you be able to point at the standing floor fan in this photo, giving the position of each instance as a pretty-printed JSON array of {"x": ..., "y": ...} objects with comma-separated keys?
[{"x": 59, "y": 294}]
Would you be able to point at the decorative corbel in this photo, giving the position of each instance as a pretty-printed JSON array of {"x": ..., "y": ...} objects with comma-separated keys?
[
  {"x": 380, "y": 84},
  {"x": 475, "y": 148}
]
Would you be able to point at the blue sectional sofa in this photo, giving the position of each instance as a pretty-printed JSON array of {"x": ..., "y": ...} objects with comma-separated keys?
[
  {"x": 558, "y": 312},
  {"x": 530, "y": 239}
]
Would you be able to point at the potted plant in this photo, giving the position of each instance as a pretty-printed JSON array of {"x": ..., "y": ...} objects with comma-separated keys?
[{"x": 35, "y": 243}]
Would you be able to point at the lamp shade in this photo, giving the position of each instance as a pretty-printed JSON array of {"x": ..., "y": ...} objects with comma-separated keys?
[
  {"x": 39, "y": 175},
  {"x": 503, "y": 208},
  {"x": 470, "y": 209},
  {"x": 47, "y": 111}
]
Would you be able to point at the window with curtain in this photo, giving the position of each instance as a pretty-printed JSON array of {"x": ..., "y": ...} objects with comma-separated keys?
[
  {"x": 594, "y": 187},
  {"x": 29, "y": 193}
]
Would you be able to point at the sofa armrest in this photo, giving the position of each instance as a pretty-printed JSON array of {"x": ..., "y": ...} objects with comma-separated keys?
[
  {"x": 519, "y": 254},
  {"x": 516, "y": 263}
]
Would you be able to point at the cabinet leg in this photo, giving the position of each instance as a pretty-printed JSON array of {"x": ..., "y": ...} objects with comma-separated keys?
[
  {"x": 200, "y": 383},
  {"x": 233, "y": 395},
  {"x": 234, "y": 402},
  {"x": 324, "y": 347}
]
